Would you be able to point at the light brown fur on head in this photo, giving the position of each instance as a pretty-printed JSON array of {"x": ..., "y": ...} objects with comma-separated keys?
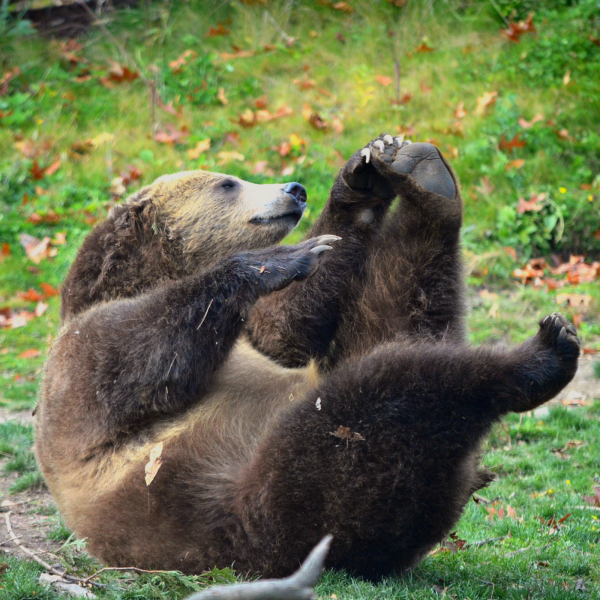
[{"x": 214, "y": 221}]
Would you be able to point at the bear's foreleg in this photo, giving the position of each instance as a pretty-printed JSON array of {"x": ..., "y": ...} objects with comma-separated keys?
[
  {"x": 384, "y": 454},
  {"x": 137, "y": 360}
]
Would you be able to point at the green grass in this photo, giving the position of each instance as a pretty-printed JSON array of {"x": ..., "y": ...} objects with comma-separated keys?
[{"x": 47, "y": 109}]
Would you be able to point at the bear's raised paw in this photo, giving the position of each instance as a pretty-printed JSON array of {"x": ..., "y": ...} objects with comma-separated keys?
[{"x": 422, "y": 161}]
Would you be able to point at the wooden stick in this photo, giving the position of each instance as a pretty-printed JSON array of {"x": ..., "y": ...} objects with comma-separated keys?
[
  {"x": 42, "y": 562},
  {"x": 484, "y": 542},
  {"x": 135, "y": 569}
]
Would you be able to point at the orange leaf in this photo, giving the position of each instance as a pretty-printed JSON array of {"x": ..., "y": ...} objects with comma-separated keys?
[
  {"x": 529, "y": 124},
  {"x": 516, "y": 142},
  {"x": 30, "y": 295},
  {"x": 460, "y": 111},
  {"x": 30, "y": 353},
  {"x": 49, "y": 290},
  {"x": 515, "y": 164},
  {"x": 384, "y": 80},
  {"x": 220, "y": 29},
  {"x": 423, "y": 48}
]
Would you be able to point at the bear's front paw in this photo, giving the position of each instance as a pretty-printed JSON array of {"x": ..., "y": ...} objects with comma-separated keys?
[
  {"x": 559, "y": 335},
  {"x": 422, "y": 161},
  {"x": 277, "y": 267}
]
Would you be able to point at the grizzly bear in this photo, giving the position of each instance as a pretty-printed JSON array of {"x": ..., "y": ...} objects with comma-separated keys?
[{"x": 286, "y": 392}]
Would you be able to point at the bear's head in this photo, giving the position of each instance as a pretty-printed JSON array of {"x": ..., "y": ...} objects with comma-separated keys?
[{"x": 214, "y": 215}]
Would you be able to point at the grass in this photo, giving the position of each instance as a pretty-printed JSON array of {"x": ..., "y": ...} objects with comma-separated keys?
[{"x": 58, "y": 109}]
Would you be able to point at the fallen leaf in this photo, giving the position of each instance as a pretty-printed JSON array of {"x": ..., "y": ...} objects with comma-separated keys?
[
  {"x": 30, "y": 295},
  {"x": 516, "y": 142},
  {"x": 567, "y": 78},
  {"x": 5, "y": 251},
  {"x": 485, "y": 103},
  {"x": 221, "y": 97},
  {"x": 384, "y": 80},
  {"x": 485, "y": 187},
  {"x": 343, "y": 7},
  {"x": 425, "y": 89},
  {"x": 49, "y": 290},
  {"x": 177, "y": 65},
  {"x": 225, "y": 157},
  {"x": 516, "y": 30},
  {"x": 574, "y": 300},
  {"x": 515, "y": 164},
  {"x": 7, "y": 78},
  {"x": 533, "y": 204},
  {"x": 487, "y": 295},
  {"x": 201, "y": 146},
  {"x": 117, "y": 74},
  {"x": 40, "y": 309},
  {"x": 595, "y": 499},
  {"x": 172, "y": 135},
  {"x": 423, "y": 47},
  {"x": 38, "y": 173},
  {"x": 529, "y": 124},
  {"x": 304, "y": 83},
  {"x": 237, "y": 54},
  {"x": 154, "y": 464},
  {"x": 30, "y": 353},
  {"x": 35, "y": 249},
  {"x": 220, "y": 29},
  {"x": 460, "y": 111}
]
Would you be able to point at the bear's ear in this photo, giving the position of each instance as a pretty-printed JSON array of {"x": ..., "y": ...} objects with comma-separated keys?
[{"x": 140, "y": 197}]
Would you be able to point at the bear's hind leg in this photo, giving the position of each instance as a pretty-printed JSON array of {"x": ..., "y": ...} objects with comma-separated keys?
[
  {"x": 415, "y": 282},
  {"x": 383, "y": 455}
]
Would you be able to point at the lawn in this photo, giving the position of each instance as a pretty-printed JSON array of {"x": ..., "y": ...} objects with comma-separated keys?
[{"x": 286, "y": 91}]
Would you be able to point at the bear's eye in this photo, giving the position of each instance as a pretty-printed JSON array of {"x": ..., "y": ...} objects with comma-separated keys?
[{"x": 229, "y": 184}]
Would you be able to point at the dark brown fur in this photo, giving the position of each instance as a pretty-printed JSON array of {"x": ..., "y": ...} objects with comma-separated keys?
[{"x": 216, "y": 359}]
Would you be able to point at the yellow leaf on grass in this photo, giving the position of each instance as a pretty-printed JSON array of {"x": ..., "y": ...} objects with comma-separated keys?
[
  {"x": 201, "y": 147},
  {"x": 486, "y": 102}
]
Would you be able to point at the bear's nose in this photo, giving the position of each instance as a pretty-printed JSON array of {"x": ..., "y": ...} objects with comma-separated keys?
[{"x": 296, "y": 190}]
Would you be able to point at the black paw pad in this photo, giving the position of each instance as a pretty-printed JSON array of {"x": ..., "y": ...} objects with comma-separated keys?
[{"x": 425, "y": 164}]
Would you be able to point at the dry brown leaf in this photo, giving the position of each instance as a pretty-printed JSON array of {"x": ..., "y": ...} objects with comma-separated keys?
[{"x": 344, "y": 433}]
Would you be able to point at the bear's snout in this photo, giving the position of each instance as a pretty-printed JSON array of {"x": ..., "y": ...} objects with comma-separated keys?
[{"x": 296, "y": 190}]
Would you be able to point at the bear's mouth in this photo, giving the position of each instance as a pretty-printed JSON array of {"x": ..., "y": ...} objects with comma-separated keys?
[{"x": 292, "y": 216}]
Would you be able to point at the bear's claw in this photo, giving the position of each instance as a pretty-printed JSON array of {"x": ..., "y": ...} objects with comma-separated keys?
[{"x": 560, "y": 334}]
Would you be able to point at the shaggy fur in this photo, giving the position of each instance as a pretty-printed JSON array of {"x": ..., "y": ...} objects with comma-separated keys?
[{"x": 297, "y": 391}]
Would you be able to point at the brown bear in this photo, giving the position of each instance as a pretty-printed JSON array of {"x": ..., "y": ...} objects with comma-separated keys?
[{"x": 295, "y": 391}]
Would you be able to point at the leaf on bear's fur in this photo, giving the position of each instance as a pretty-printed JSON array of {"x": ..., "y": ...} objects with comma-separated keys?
[
  {"x": 344, "y": 433},
  {"x": 154, "y": 463}
]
